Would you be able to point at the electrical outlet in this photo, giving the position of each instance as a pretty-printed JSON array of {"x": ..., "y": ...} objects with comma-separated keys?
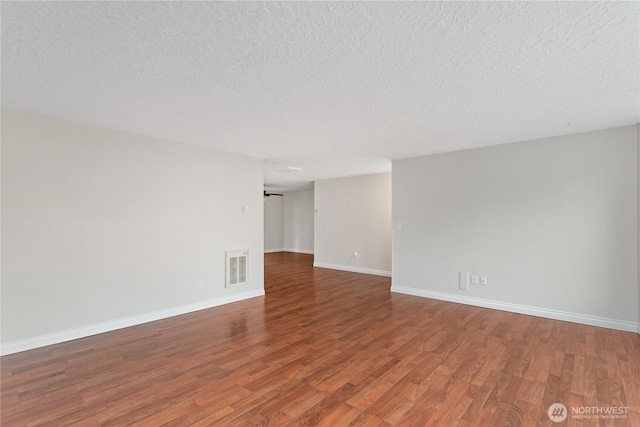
[
  {"x": 475, "y": 280},
  {"x": 483, "y": 280},
  {"x": 464, "y": 281},
  {"x": 199, "y": 283}
]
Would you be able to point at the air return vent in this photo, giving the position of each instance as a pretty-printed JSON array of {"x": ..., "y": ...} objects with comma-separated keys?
[{"x": 237, "y": 267}]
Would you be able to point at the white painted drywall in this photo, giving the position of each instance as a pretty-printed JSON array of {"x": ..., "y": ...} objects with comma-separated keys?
[
  {"x": 552, "y": 223},
  {"x": 298, "y": 222},
  {"x": 354, "y": 215},
  {"x": 101, "y": 226},
  {"x": 274, "y": 224}
]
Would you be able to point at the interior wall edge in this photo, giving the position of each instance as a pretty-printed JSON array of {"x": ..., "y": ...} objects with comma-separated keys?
[
  {"x": 125, "y": 322},
  {"x": 586, "y": 319},
  {"x": 361, "y": 270},
  {"x": 298, "y": 251}
]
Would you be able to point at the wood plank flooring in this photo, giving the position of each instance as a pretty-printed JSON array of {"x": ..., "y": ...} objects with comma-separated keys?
[{"x": 330, "y": 348}]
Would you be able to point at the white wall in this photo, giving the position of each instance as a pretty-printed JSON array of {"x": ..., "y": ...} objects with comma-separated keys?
[
  {"x": 274, "y": 224},
  {"x": 354, "y": 215},
  {"x": 298, "y": 222},
  {"x": 103, "y": 229},
  {"x": 552, "y": 223}
]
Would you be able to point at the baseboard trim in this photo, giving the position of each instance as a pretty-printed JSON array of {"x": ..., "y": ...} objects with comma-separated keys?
[
  {"x": 298, "y": 251},
  {"x": 351, "y": 269},
  {"x": 585, "y": 319},
  {"x": 99, "y": 328}
]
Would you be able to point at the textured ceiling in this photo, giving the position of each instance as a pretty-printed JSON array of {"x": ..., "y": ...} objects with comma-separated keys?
[{"x": 335, "y": 88}]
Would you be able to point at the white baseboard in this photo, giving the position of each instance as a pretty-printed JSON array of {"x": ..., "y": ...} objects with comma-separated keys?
[
  {"x": 99, "y": 328},
  {"x": 585, "y": 319},
  {"x": 353, "y": 269},
  {"x": 299, "y": 251}
]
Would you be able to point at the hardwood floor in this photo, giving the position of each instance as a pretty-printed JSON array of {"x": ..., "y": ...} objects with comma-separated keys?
[{"x": 331, "y": 348}]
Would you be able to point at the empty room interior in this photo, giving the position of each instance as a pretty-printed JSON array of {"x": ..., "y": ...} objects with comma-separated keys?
[{"x": 320, "y": 213}]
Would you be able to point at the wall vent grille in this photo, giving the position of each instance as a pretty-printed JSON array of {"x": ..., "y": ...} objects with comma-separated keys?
[{"x": 237, "y": 267}]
